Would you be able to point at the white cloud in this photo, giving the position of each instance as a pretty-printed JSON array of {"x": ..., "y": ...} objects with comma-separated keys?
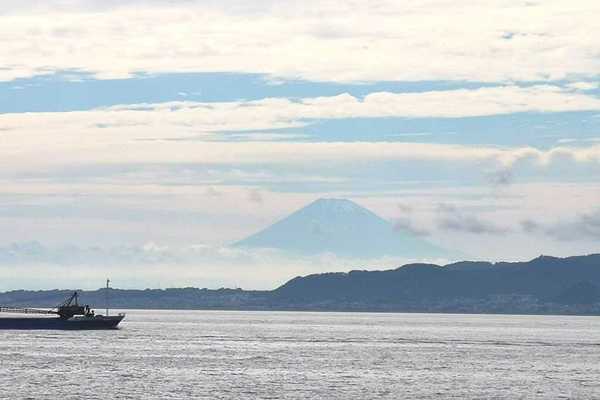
[
  {"x": 584, "y": 85},
  {"x": 186, "y": 119},
  {"x": 281, "y": 112},
  {"x": 183, "y": 132},
  {"x": 121, "y": 152},
  {"x": 319, "y": 40}
]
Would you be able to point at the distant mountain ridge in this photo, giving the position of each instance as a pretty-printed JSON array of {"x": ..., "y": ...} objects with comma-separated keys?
[
  {"x": 544, "y": 285},
  {"x": 543, "y": 278},
  {"x": 344, "y": 228}
]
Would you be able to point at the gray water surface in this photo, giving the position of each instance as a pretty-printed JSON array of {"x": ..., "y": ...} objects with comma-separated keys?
[{"x": 293, "y": 355}]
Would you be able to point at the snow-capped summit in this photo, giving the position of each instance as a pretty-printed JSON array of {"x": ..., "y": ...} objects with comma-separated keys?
[{"x": 344, "y": 228}]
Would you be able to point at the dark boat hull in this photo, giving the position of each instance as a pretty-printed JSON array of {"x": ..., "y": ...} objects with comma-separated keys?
[{"x": 97, "y": 322}]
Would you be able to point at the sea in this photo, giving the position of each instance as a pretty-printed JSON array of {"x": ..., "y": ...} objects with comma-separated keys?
[{"x": 307, "y": 355}]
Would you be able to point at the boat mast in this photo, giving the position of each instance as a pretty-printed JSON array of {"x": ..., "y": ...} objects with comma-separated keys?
[{"x": 107, "y": 282}]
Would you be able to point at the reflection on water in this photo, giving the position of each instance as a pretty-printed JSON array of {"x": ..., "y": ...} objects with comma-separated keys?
[{"x": 284, "y": 355}]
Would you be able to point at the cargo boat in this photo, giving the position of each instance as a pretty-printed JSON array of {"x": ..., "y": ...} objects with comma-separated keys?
[{"x": 69, "y": 315}]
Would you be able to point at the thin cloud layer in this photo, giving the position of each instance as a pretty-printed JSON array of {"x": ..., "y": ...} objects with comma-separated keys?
[
  {"x": 185, "y": 132},
  {"x": 585, "y": 225},
  {"x": 149, "y": 264},
  {"x": 493, "y": 41},
  {"x": 453, "y": 219}
]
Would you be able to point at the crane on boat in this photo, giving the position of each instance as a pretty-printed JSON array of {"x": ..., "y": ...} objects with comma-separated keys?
[{"x": 67, "y": 309}]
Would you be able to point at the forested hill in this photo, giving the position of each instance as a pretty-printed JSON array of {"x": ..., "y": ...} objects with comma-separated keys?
[
  {"x": 543, "y": 285},
  {"x": 470, "y": 286}
]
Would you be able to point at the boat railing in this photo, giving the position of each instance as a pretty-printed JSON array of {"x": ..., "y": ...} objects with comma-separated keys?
[{"x": 18, "y": 310}]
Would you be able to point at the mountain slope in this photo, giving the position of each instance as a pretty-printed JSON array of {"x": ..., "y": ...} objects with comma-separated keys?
[
  {"x": 344, "y": 228},
  {"x": 571, "y": 280}
]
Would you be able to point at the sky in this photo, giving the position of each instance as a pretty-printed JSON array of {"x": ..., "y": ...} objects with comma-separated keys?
[{"x": 139, "y": 139}]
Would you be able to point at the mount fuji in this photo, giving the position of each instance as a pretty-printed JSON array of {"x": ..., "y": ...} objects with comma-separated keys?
[{"x": 344, "y": 228}]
